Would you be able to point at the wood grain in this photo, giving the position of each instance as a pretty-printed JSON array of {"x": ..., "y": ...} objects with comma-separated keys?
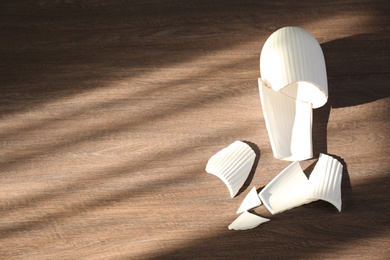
[{"x": 111, "y": 109}]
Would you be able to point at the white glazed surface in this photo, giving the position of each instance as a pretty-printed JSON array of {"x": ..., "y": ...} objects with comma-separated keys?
[
  {"x": 247, "y": 221},
  {"x": 232, "y": 165}
]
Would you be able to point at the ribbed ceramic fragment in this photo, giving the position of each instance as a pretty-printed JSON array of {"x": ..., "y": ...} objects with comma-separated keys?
[
  {"x": 232, "y": 165},
  {"x": 288, "y": 123},
  {"x": 292, "y": 62},
  {"x": 287, "y": 190},
  {"x": 247, "y": 221},
  {"x": 325, "y": 180},
  {"x": 293, "y": 81},
  {"x": 251, "y": 201},
  {"x": 290, "y": 188}
]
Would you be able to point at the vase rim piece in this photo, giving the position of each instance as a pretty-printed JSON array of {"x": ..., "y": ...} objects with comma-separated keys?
[
  {"x": 292, "y": 61},
  {"x": 287, "y": 190}
]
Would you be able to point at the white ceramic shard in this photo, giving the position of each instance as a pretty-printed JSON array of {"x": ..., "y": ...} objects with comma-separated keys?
[
  {"x": 232, "y": 165},
  {"x": 288, "y": 123},
  {"x": 251, "y": 201},
  {"x": 293, "y": 81},
  {"x": 247, "y": 221},
  {"x": 290, "y": 188},
  {"x": 325, "y": 180},
  {"x": 287, "y": 190}
]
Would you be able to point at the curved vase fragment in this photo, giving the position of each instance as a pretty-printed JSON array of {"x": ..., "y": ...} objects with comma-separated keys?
[
  {"x": 287, "y": 190},
  {"x": 325, "y": 180},
  {"x": 232, "y": 165},
  {"x": 247, "y": 221}
]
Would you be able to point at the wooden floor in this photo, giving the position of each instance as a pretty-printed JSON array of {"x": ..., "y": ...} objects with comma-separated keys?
[{"x": 110, "y": 111}]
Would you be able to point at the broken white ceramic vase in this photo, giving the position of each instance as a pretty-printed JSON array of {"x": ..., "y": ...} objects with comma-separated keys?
[
  {"x": 247, "y": 221},
  {"x": 293, "y": 82},
  {"x": 232, "y": 165}
]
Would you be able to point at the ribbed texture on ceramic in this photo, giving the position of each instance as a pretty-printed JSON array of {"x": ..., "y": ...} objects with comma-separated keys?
[
  {"x": 289, "y": 124},
  {"x": 287, "y": 190},
  {"x": 292, "y": 56},
  {"x": 290, "y": 188},
  {"x": 247, "y": 221},
  {"x": 325, "y": 180},
  {"x": 232, "y": 165}
]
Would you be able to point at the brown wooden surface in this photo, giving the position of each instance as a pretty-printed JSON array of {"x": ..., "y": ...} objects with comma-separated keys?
[{"x": 111, "y": 109}]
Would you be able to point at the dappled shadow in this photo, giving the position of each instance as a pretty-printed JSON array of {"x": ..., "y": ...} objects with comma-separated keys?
[
  {"x": 126, "y": 125},
  {"x": 89, "y": 180},
  {"x": 56, "y": 52},
  {"x": 82, "y": 50}
]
